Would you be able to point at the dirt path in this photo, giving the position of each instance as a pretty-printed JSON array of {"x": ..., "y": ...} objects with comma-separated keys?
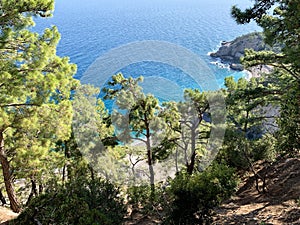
[
  {"x": 6, "y": 214},
  {"x": 280, "y": 205}
]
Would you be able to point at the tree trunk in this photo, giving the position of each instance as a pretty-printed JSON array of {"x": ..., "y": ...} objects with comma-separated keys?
[
  {"x": 67, "y": 166},
  {"x": 33, "y": 192},
  {"x": 14, "y": 204},
  {"x": 41, "y": 188},
  {"x": 2, "y": 199},
  {"x": 150, "y": 163},
  {"x": 176, "y": 161},
  {"x": 92, "y": 172},
  {"x": 191, "y": 165},
  {"x": 64, "y": 174}
]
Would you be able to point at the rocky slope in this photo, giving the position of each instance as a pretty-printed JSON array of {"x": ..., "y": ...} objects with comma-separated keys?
[
  {"x": 231, "y": 51},
  {"x": 279, "y": 205}
]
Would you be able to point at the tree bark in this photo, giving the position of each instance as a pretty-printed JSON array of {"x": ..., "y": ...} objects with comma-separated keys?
[
  {"x": 2, "y": 199},
  {"x": 191, "y": 165},
  {"x": 64, "y": 174},
  {"x": 6, "y": 170},
  {"x": 41, "y": 188},
  {"x": 176, "y": 161},
  {"x": 67, "y": 166},
  {"x": 150, "y": 161},
  {"x": 92, "y": 172},
  {"x": 33, "y": 192}
]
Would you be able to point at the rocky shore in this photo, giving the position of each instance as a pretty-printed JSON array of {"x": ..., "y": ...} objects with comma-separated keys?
[{"x": 231, "y": 52}]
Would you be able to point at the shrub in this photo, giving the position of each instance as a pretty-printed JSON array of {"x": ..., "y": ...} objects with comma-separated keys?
[
  {"x": 141, "y": 198},
  {"x": 80, "y": 202},
  {"x": 195, "y": 196}
]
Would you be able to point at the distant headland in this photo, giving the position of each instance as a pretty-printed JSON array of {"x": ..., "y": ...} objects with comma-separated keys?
[{"x": 231, "y": 52}]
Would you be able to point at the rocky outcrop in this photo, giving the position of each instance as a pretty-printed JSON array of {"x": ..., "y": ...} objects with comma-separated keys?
[
  {"x": 231, "y": 52},
  {"x": 257, "y": 71}
]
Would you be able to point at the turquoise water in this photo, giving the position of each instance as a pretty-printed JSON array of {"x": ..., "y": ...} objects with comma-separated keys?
[{"x": 92, "y": 28}]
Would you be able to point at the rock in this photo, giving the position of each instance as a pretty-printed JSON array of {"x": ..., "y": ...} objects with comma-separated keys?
[
  {"x": 257, "y": 71},
  {"x": 236, "y": 66},
  {"x": 231, "y": 51}
]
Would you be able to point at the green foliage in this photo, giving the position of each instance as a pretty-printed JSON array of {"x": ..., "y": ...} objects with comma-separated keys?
[
  {"x": 141, "y": 198},
  {"x": 264, "y": 148},
  {"x": 90, "y": 118},
  {"x": 36, "y": 142},
  {"x": 140, "y": 120},
  {"x": 18, "y": 15},
  {"x": 81, "y": 201},
  {"x": 247, "y": 138},
  {"x": 73, "y": 163},
  {"x": 289, "y": 121},
  {"x": 232, "y": 153},
  {"x": 196, "y": 195},
  {"x": 239, "y": 152},
  {"x": 280, "y": 23},
  {"x": 35, "y": 91},
  {"x": 188, "y": 129}
]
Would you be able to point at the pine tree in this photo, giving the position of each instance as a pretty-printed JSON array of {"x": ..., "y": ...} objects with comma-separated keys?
[
  {"x": 35, "y": 88},
  {"x": 247, "y": 103},
  {"x": 280, "y": 22},
  {"x": 138, "y": 118},
  {"x": 190, "y": 130}
]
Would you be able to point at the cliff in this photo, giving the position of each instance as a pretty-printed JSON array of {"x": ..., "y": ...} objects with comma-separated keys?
[{"x": 230, "y": 52}]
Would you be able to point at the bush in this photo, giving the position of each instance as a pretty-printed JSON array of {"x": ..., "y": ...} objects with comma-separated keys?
[
  {"x": 147, "y": 203},
  {"x": 140, "y": 197},
  {"x": 80, "y": 202},
  {"x": 234, "y": 154},
  {"x": 195, "y": 196}
]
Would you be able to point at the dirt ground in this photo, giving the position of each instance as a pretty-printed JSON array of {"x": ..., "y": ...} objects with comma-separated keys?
[
  {"x": 6, "y": 214},
  {"x": 279, "y": 205}
]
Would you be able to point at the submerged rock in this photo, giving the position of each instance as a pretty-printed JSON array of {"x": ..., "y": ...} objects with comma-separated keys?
[{"x": 236, "y": 66}]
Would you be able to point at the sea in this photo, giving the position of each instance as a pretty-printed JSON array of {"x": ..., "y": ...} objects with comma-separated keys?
[{"x": 95, "y": 29}]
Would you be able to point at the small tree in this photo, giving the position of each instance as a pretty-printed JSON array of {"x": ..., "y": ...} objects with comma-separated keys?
[
  {"x": 81, "y": 201},
  {"x": 138, "y": 118},
  {"x": 195, "y": 196},
  {"x": 246, "y": 107},
  {"x": 190, "y": 130}
]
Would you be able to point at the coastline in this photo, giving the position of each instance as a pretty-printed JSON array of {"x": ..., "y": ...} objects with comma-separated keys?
[{"x": 230, "y": 52}]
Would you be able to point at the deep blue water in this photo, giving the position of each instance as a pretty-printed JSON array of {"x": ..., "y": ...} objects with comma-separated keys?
[{"x": 92, "y": 28}]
